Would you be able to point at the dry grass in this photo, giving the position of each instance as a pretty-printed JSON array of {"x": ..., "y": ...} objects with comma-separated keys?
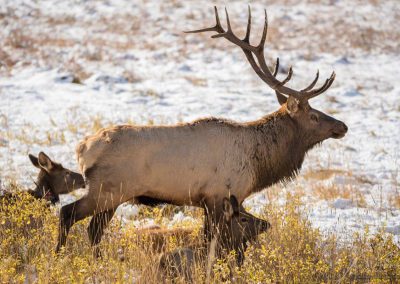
[
  {"x": 322, "y": 174},
  {"x": 75, "y": 127},
  {"x": 196, "y": 81},
  {"x": 394, "y": 201},
  {"x": 291, "y": 252},
  {"x": 331, "y": 190}
]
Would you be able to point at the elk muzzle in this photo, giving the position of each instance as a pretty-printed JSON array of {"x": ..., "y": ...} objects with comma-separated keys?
[{"x": 339, "y": 130}]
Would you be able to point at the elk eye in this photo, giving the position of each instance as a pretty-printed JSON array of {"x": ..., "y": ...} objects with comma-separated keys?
[
  {"x": 243, "y": 220},
  {"x": 314, "y": 117}
]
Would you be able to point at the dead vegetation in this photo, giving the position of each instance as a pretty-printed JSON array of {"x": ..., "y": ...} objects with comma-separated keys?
[
  {"x": 324, "y": 187},
  {"x": 291, "y": 252}
]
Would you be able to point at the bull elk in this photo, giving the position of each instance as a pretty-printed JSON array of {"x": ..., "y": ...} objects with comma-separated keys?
[{"x": 202, "y": 162}]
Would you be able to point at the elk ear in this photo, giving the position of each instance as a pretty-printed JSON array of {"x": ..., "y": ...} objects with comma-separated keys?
[
  {"x": 235, "y": 204},
  {"x": 34, "y": 160},
  {"x": 281, "y": 98},
  {"x": 292, "y": 105},
  {"x": 228, "y": 209},
  {"x": 45, "y": 162}
]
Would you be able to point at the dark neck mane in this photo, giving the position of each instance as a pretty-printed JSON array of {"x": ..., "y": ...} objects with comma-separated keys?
[{"x": 279, "y": 149}]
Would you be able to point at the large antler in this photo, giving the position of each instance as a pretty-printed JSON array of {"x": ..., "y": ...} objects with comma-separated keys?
[{"x": 261, "y": 68}]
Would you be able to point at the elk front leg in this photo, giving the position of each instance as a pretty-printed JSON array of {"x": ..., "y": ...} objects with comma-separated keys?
[
  {"x": 96, "y": 228},
  {"x": 72, "y": 213}
]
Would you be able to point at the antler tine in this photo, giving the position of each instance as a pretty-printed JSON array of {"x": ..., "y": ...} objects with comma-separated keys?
[
  {"x": 321, "y": 89},
  {"x": 276, "y": 67},
  {"x": 312, "y": 83},
  {"x": 247, "y": 36},
  {"x": 331, "y": 79},
  {"x": 256, "y": 58},
  {"x": 228, "y": 22},
  {"x": 269, "y": 77},
  {"x": 288, "y": 77},
  {"x": 218, "y": 23},
  {"x": 260, "y": 46},
  {"x": 230, "y": 36},
  {"x": 217, "y": 28}
]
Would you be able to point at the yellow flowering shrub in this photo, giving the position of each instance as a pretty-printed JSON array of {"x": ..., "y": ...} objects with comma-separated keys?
[{"x": 291, "y": 252}]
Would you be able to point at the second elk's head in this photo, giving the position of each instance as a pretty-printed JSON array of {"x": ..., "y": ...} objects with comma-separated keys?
[{"x": 53, "y": 179}]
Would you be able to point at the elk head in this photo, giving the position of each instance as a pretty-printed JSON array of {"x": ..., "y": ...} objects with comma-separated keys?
[
  {"x": 314, "y": 125},
  {"x": 236, "y": 228},
  {"x": 53, "y": 179},
  {"x": 239, "y": 227}
]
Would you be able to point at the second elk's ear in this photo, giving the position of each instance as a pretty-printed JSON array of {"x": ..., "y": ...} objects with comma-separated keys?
[
  {"x": 45, "y": 162},
  {"x": 234, "y": 204},
  {"x": 34, "y": 161}
]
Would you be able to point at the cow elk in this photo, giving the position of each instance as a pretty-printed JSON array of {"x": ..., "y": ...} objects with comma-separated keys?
[
  {"x": 202, "y": 162},
  {"x": 237, "y": 228}
]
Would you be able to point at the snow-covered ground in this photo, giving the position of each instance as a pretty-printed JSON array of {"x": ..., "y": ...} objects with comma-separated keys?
[{"x": 70, "y": 67}]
